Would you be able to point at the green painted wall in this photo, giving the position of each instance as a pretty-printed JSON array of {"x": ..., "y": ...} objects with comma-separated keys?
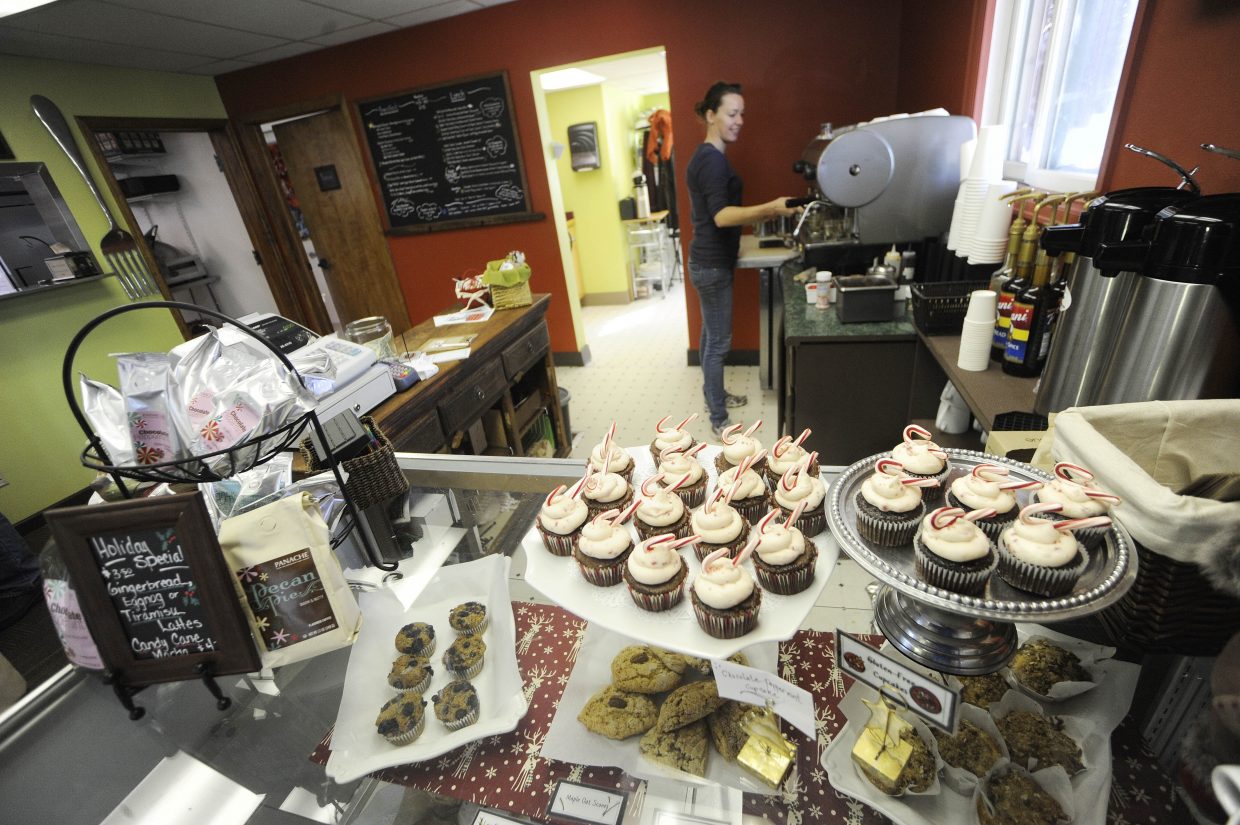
[
  {"x": 39, "y": 441},
  {"x": 658, "y": 100}
]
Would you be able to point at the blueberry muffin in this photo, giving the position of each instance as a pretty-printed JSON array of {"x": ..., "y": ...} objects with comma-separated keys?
[
  {"x": 464, "y": 657},
  {"x": 417, "y": 639},
  {"x": 456, "y": 705},
  {"x": 468, "y": 619},
  {"x": 402, "y": 719},
  {"x": 410, "y": 673}
]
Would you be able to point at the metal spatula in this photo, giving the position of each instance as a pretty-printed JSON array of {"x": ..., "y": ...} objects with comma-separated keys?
[{"x": 118, "y": 246}]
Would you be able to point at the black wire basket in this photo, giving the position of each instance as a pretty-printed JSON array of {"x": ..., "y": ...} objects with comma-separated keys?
[{"x": 939, "y": 308}]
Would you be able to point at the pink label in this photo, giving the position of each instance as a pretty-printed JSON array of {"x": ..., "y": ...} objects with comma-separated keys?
[
  {"x": 152, "y": 441},
  {"x": 75, "y": 638},
  {"x": 200, "y": 407},
  {"x": 229, "y": 427}
]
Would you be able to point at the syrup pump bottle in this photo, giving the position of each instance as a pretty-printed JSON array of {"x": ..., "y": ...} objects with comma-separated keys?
[
  {"x": 1021, "y": 277},
  {"x": 1035, "y": 308},
  {"x": 1006, "y": 272},
  {"x": 1059, "y": 277}
]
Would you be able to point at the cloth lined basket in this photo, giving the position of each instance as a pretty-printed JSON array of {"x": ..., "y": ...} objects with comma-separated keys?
[{"x": 373, "y": 478}]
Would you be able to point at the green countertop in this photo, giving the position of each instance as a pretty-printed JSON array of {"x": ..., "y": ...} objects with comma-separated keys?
[{"x": 804, "y": 322}]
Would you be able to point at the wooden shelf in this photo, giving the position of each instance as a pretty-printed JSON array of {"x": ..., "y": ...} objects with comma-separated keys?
[{"x": 987, "y": 393}]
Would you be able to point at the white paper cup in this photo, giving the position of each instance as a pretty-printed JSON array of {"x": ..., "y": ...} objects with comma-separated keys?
[
  {"x": 975, "y": 340},
  {"x": 982, "y": 305}
]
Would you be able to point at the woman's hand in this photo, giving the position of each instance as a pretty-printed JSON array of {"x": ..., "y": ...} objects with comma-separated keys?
[
  {"x": 741, "y": 215},
  {"x": 778, "y": 208}
]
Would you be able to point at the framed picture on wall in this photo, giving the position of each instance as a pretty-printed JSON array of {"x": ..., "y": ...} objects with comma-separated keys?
[{"x": 583, "y": 146}]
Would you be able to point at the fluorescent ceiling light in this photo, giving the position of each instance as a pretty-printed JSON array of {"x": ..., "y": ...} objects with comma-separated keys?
[
  {"x": 8, "y": 7},
  {"x": 568, "y": 79}
]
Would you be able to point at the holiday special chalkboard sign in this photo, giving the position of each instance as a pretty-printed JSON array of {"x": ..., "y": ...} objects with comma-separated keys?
[
  {"x": 447, "y": 156},
  {"x": 154, "y": 589}
]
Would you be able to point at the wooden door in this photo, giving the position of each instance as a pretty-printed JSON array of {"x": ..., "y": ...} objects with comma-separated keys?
[{"x": 325, "y": 166}]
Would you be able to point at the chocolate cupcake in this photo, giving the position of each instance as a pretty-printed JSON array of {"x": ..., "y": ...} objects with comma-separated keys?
[
  {"x": 676, "y": 463},
  {"x": 671, "y": 437},
  {"x": 655, "y": 572},
  {"x": 606, "y": 491},
  {"x": 1041, "y": 556},
  {"x": 889, "y": 505},
  {"x": 748, "y": 490},
  {"x": 785, "y": 454},
  {"x": 411, "y": 674},
  {"x": 617, "y": 461},
  {"x": 417, "y": 639},
  {"x": 952, "y": 553},
  {"x": 604, "y": 547},
  {"x": 783, "y": 558},
  {"x": 402, "y": 719},
  {"x": 719, "y": 526},
  {"x": 803, "y": 493},
  {"x": 1073, "y": 487},
  {"x": 560, "y": 520},
  {"x": 922, "y": 458},
  {"x": 660, "y": 510},
  {"x": 987, "y": 487},
  {"x": 737, "y": 446},
  {"x": 725, "y": 598}
]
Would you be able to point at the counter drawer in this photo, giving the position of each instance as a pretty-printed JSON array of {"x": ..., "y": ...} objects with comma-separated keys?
[
  {"x": 424, "y": 435},
  {"x": 526, "y": 350},
  {"x": 477, "y": 392}
]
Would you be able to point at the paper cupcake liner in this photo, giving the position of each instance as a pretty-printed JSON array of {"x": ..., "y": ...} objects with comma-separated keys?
[
  {"x": 465, "y": 674},
  {"x": 605, "y": 575},
  {"x": 812, "y": 521},
  {"x": 409, "y": 735},
  {"x": 595, "y": 507},
  {"x": 934, "y": 495},
  {"x": 1034, "y": 578},
  {"x": 557, "y": 544},
  {"x": 474, "y": 629},
  {"x": 994, "y": 526},
  {"x": 694, "y": 494},
  {"x": 464, "y": 721},
  {"x": 731, "y": 624},
  {"x": 657, "y": 602},
  {"x": 1089, "y": 537},
  {"x": 679, "y": 528},
  {"x": 420, "y": 687},
  {"x": 890, "y": 532},
  {"x": 789, "y": 579},
  {"x": 752, "y": 509},
  {"x": 935, "y": 574}
]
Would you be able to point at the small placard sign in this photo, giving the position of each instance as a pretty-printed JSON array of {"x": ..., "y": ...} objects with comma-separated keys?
[
  {"x": 757, "y": 687},
  {"x": 154, "y": 589},
  {"x": 585, "y": 803},
  {"x": 936, "y": 703},
  {"x": 485, "y": 817}
]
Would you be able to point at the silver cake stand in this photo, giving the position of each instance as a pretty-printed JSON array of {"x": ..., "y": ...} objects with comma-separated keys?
[{"x": 968, "y": 635}]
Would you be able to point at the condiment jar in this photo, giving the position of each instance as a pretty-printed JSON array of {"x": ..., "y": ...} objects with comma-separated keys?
[
  {"x": 823, "y": 279},
  {"x": 374, "y": 332}
]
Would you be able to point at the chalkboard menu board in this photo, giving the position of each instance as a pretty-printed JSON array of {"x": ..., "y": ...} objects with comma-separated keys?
[
  {"x": 447, "y": 156},
  {"x": 154, "y": 589}
]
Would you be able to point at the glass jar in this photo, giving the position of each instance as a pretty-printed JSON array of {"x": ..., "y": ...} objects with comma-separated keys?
[{"x": 374, "y": 332}]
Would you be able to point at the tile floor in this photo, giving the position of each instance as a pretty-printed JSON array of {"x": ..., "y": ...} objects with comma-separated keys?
[{"x": 636, "y": 376}]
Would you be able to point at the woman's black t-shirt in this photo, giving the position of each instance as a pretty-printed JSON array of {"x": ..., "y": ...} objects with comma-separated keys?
[{"x": 713, "y": 184}]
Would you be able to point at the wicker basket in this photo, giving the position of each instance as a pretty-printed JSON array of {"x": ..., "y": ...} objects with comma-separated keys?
[
  {"x": 511, "y": 297},
  {"x": 374, "y": 478},
  {"x": 939, "y": 308}
]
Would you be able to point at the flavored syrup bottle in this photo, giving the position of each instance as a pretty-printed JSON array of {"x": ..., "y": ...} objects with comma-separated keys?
[
  {"x": 1035, "y": 308},
  {"x": 1021, "y": 279},
  {"x": 1006, "y": 272}
]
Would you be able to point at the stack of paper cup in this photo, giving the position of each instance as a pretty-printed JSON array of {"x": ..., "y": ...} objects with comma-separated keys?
[{"x": 978, "y": 330}]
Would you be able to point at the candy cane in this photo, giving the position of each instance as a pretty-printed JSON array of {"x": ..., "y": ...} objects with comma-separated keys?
[
  {"x": 1082, "y": 523},
  {"x": 977, "y": 515},
  {"x": 714, "y": 557},
  {"x": 932, "y": 448},
  {"x": 758, "y": 456},
  {"x": 679, "y": 543},
  {"x": 658, "y": 428},
  {"x": 993, "y": 473},
  {"x": 709, "y": 506},
  {"x": 654, "y": 479},
  {"x": 728, "y": 432},
  {"x": 781, "y": 446},
  {"x": 951, "y": 513},
  {"x": 808, "y": 460},
  {"x": 913, "y": 481},
  {"x": 1101, "y": 496},
  {"x": 680, "y": 482},
  {"x": 685, "y": 423},
  {"x": 605, "y": 517},
  {"x": 695, "y": 449},
  {"x": 580, "y": 485},
  {"x": 611, "y": 433},
  {"x": 554, "y": 493},
  {"x": 1030, "y": 510},
  {"x": 747, "y": 551},
  {"x": 627, "y": 512},
  {"x": 801, "y": 438},
  {"x": 884, "y": 465},
  {"x": 766, "y": 520},
  {"x": 1066, "y": 470},
  {"x": 753, "y": 428},
  {"x": 795, "y": 514},
  {"x": 789, "y": 479}
]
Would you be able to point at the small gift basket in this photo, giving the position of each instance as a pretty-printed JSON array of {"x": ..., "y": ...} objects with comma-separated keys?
[
  {"x": 509, "y": 280},
  {"x": 373, "y": 477}
]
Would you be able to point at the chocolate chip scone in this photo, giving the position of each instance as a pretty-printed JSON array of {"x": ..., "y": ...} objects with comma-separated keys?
[
  {"x": 617, "y": 714},
  {"x": 468, "y": 619},
  {"x": 417, "y": 639},
  {"x": 726, "y": 731},
  {"x": 464, "y": 657},
  {"x": 683, "y": 748},
  {"x": 687, "y": 704},
  {"x": 456, "y": 705},
  {"x": 646, "y": 669}
]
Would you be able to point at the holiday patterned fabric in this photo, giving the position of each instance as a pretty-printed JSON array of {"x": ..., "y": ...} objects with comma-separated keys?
[{"x": 506, "y": 771}]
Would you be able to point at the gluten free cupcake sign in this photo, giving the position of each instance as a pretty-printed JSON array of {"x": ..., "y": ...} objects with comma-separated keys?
[{"x": 938, "y": 704}]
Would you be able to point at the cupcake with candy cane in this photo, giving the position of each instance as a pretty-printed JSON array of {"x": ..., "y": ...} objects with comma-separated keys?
[
  {"x": 1074, "y": 488},
  {"x": 988, "y": 487},
  {"x": 719, "y": 526},
  {"x": 1042, "y": 556},
  {"x": 676, "y": 436},
  {"x": 561, "y": 518},
  {"x": 798, "y": 487},
  {"x": 655, "y": 572},
  {"x": 604, "y": 547},
  {"x": 737, "y": 446},
  {"x": 922, "y": 458},
  {"x": 725, "y": 598},
  {"x": 787, "y": 453},
  {"x": 606, "y": 491},
  {"x": 751, "y": 498},
  {"x": 675, "y": 463},
  {"x": 889, "y": 504},
  {"x": 953, "y": 553},
  {"x": 783, "y": 558},
  {"x": 660, "y": 510},
  {"x": 610, "y": 458}
]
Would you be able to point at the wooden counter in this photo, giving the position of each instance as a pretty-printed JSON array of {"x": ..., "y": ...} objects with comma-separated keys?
[
  {"x": 988, "y": 393},
  {"x": 509, "y": 371}
]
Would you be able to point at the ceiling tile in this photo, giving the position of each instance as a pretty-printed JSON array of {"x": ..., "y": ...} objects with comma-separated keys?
[
  {"x": 354, "y": 33},
  {"x": 280, "y": 52},
  {"x": 139, "y": 30},
  {"x": 78, "y": 50},
  {"x": 416, "y": 18},
  {"x": 286, "y": 19},
  {"x": 491, "y": 2},
  {"x": 378, "y": 9},
  {"x": 219, "y": 67}
]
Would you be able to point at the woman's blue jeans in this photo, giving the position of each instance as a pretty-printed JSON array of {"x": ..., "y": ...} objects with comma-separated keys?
[{"x": 714, "y": 289}]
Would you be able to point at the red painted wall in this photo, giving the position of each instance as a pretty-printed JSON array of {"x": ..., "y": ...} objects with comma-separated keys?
[
  {"x": 1182, "y": 91},
  {"x": 801, "y": 62},
  {"x": 941, "y": 49}
]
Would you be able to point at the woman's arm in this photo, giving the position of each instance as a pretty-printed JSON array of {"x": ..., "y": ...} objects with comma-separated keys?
[{"x": 741, "y": 215}]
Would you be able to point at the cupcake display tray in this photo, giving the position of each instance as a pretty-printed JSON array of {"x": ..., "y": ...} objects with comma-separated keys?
[
  {"x": 357, "y": 748},
  {"x": 1111, "y": 571}
]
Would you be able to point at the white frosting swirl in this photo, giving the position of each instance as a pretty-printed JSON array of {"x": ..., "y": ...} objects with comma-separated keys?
[
  {"x": 723, "y": 584},
  {"x": 791, "y": 455},
  {"x": 887, "y": 494},
  {"x": 605, "y": 487},
  {"x": 603, "y": 540},
  {"x": 719, "y": 526},
  {"x": 617, "y": 459},
  {"x": 672, "y": 438},
  {"x": 654, "y": 564},
  {"x": 742, "y": 447},
  {"x": 780, "y": 545},
  {"x": 1040, "y": 543},
  {"x": 563, "y": 515},
  {"x": 751, "y": 483},
  {"x": 980, "y": 494},
  {"x": 677, "y": 464},
  {"x": 917, "y": 458},
  {"x": 663, "y": 509},
  {"x": 1076, "y": 504},
  {"x": 959, "y": 541},
  {"x": 806, "y": 489}
]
